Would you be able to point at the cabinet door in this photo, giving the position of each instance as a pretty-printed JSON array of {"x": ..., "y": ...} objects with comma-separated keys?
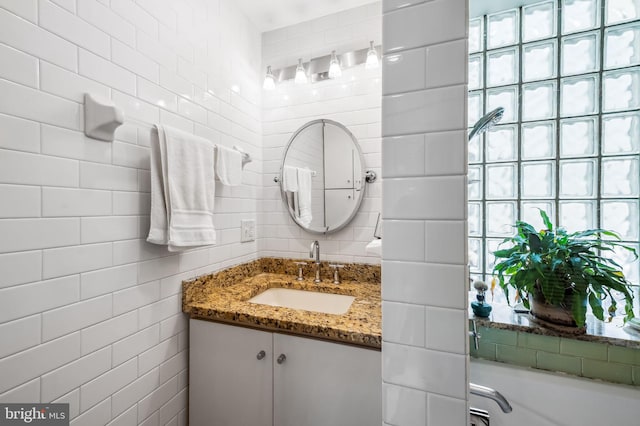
[
  {"x": 341, "y": 202},
  {"x": 228, "y": 384},
  {"x": 322, "y": 383},
  {"x": 339, "y": 156}
]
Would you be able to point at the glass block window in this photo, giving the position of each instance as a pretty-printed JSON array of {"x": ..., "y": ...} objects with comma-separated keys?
[{"x": 567, "y": 73}]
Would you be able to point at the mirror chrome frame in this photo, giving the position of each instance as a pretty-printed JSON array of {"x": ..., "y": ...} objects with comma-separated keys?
[{"x": 363, "y": 179}]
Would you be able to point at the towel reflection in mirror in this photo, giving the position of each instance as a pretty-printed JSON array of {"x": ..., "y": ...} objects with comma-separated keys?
[{"x": 297, "y": 185}]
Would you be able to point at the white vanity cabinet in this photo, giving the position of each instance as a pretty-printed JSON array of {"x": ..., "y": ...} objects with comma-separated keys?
[
  {"x": 322, "y": 383},
  {"x": 298, "y": 382},
  {"x": 228, "y": 384}
]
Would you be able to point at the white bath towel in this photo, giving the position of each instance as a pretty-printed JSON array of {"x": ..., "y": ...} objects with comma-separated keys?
[
  {"x": 304, "y": 195},
  {"x": 158, "y": 226},
  {"x": 183, "y": 181},
  {"x": 290, "y": 179},
  {"x": 228, "y": 166}
]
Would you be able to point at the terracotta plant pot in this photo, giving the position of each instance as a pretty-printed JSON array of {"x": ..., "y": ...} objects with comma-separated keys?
[{"x": 555, "y": 314}]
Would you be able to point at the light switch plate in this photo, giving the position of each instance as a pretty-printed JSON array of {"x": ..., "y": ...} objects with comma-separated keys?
[{"x": 247, "y": 230}]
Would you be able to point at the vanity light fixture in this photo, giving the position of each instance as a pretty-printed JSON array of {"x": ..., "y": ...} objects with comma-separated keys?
[
  {"x": 323, "y": 67},
  {"x": 372, "y": 58},
  {"x": 301, "y": 74},
  {"x": 269, "y": 80},
  {"x": 334, "y": 66}
]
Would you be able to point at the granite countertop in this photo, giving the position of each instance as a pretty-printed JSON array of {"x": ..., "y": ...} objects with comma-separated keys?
[
  {"x": 614, "y": 333},
  {"x": 224, "y": 296}
]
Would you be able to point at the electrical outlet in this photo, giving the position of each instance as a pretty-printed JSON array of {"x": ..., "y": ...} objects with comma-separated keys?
[{"x": 247, "y": 230}]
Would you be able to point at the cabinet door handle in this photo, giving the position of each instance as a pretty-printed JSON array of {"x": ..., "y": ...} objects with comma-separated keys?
[
  {"x": 261, "y": 355},
  {"x": 282, "y": 358}
]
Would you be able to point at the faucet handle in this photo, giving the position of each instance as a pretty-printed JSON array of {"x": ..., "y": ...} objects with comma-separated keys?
[
  {"x": 336, "y": 276},
  {"x": 300, "y": 266}
]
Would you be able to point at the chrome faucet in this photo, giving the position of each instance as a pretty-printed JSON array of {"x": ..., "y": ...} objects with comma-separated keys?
[
  {"x": 315, "y": 246},
  {"x": 491, "y": 394}
]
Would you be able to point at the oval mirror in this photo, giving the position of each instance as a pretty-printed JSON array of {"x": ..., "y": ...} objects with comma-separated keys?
[{"x": 322, "y": 176}]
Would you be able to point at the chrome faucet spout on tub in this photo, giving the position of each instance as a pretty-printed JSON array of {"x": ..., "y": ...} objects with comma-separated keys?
[
  {"x": 493, "y": 394},
  {"x": 315, "y": 247}
]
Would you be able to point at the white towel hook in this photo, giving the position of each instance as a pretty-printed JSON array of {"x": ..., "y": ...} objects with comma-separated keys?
[{"x": 101, "y": 118}]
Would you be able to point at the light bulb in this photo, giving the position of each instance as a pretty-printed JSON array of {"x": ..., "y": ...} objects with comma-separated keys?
[
  {"x": 372, "y": 58},
  {"x": 334, "y": 66},
  {"x": 269, "y": 80},
  {"x": 301, "y": 75}
]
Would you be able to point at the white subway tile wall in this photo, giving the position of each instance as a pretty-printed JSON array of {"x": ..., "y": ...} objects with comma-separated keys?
[
  {"x": 90, "y": 314},
  {"x": 73, "y": 234},
  {"x": 353, "y": 100},
  {"x": 424, "y": 257},
  {"x": 404, "y": 406},
  {"x": 73, "y": 399}
]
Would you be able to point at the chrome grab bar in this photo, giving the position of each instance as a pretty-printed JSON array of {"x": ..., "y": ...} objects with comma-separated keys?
[{"x": 493, "y": 394}]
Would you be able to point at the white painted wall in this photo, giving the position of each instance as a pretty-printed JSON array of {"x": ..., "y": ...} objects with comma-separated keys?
[
  {"x": 353, "y": 100},
  {"x": 89, "y": 312},
  {"x": 424, "y": 156}
]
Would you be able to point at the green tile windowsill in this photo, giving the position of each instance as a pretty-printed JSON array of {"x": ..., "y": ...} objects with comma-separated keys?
[{"x": 608, "y": 352}]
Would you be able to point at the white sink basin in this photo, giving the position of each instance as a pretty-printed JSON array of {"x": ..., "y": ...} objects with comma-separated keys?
[{"x": 327, "y": 303}]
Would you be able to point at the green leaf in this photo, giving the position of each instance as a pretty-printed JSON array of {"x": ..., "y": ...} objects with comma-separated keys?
[
  {"x": 628, "y": 309},
  {"x": 575, "y": 261},
  {"x": 545, "y": 219},
  {"x": 535, "y": 243},
  {"x": 505, "y": 288},
  {"x": 504, "y": 253},
  {"x": 578, "y": 308},
  {"x": 596, "y": 306},
  {"x": 592, "y": 232},
  {"x": 524, "y": 229}
]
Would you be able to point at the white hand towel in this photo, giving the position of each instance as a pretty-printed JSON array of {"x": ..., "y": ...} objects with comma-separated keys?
[
  {"x": 290, "y": 179},
  {"x": 304, "y": 195},
  {"x": 229, "y": 166},
  {"x": 186, "y": 173}
]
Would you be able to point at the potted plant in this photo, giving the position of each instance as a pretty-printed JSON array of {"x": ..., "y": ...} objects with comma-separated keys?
[{"x": 557, "y": 273}]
